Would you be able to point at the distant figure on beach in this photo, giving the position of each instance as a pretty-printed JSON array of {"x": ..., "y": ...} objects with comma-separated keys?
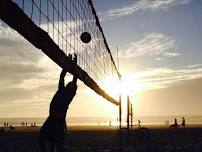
[
  {"x": 110, "y": 123},
  {"x": 183, "y": 122},
  {"x": 53, "y": 131},
  {"x": 139, "y": 123},
  {"x": 5, "y": 124},
  {"x": 175, "y": 122},
  {"x": 175, "y": 125}
]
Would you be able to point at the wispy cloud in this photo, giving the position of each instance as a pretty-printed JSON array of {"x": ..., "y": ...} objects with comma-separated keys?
[
  {"x": 139, "y": 5},
  {"x": 153, "y": 44},
  {"x": 171, "y": 54},
  {"x": 154, "y": 78},
  {"x": 23, "y": 69},
  {"x": 160, "y": 59}
]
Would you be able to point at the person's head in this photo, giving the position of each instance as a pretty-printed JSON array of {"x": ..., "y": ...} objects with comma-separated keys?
[{"x": 71, "y": 88}]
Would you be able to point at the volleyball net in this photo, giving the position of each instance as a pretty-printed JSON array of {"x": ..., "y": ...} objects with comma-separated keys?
[{"x": 55, "y": 26}]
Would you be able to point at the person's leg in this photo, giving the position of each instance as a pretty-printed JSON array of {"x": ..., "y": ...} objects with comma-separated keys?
[
  {"x": 45, "y": 144},
  {"x": 60, "y": 146},
  {"x": 42, "y": 146},
  {"x": 51, "y": 147}
]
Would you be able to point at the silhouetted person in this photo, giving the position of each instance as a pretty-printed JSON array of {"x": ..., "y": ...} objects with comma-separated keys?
[
  {"x": 175, "y": 122},
  {"x": 110, "y": 123},
  {"x": 183, "y": 122},
  {"x": 139, "y": 123},
  {"x": 52, "y": 132},
  {"x": 175, "y": 125}
]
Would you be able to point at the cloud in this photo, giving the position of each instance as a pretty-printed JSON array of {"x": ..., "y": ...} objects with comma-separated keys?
[
  {"x": 17, "y": 73},
  {"x": 160, "y": 59},
  {"x": 171, "y": 54},
  {"x": 154, "y": 78},
  {"x": 14, "y": 48},
  {"x": 152, "y": 5},
  {"x": 18, "y": 58},
  {"x": 24, "y": 70},
  {"x": 153, "y": 44}
]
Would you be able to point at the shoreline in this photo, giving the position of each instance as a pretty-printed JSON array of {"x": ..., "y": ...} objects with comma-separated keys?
[{"x": 115, "y": 128}]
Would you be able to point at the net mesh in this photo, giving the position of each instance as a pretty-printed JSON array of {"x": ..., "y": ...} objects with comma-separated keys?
[{"x": 64, "y": 21}]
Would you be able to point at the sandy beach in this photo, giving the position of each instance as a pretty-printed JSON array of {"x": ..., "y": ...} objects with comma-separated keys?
[{"x": 107, "y": 139}]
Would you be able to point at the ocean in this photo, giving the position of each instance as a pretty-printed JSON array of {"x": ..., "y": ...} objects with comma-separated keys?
[{"x": 93, "y": 121}]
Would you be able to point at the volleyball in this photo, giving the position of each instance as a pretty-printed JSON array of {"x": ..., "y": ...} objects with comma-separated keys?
[{"x": 85, "y": 37}]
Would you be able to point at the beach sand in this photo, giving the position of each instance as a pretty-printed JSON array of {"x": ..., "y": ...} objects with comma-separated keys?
[{"x": 107, "y": 139}]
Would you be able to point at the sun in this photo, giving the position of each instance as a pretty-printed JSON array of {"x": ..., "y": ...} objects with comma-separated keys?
[
  {"x": 111, "y": 86},
  {"x": 128, "y": 86}
]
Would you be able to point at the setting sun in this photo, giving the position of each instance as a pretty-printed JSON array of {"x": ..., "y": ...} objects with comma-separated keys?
[{"x": 128, "y": 86}]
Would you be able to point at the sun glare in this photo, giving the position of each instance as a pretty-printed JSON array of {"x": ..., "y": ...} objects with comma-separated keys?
[
  {"x": 127, "y": 86},
  {"x": 111, "y": 86}
]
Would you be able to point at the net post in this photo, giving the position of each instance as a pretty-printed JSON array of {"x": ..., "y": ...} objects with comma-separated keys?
[
  {"x": 128, "y": 113},
  {"x": 131, "y": 117},
  {"x": 120, "y": 122},
  {"x": 120, "y": 107},
  {"x": 120, "y": 111}
]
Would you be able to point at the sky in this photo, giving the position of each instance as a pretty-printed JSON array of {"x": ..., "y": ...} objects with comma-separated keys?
[{"x": 160, "y": 53}]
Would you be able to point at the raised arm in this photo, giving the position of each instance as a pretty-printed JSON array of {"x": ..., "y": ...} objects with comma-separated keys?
[
  {"x": 62, "y": 81},
  {"x": 75, "y": 62}
]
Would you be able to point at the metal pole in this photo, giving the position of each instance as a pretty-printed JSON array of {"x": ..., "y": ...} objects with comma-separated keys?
[
  {"x": 120, "y": 121},
  {"x": 128, "y": 112},
  {"x": 120, "y": 111},
  {"x": 131, "y": 118},
  {"x": 120, "y": 106}
]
